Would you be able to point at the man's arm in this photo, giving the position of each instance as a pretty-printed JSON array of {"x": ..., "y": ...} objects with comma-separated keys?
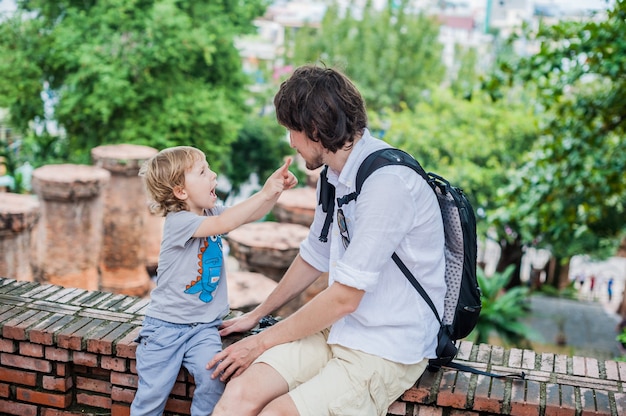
[
  {"x": 297, "y": 278},
  {"x": 321, "y": 312}
]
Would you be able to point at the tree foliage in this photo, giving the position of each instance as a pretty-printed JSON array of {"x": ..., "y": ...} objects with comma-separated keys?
[
  {"x": 153, "y": 72},
  {"x": 473, "y": 143},
  {"x": 569, "y": 194},
  {"x": 393, "y": 54}
]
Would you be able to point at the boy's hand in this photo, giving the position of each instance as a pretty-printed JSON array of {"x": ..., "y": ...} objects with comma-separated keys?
[
  {"x": 280, "y": 180},
  {"x": 290, "y": 179}
]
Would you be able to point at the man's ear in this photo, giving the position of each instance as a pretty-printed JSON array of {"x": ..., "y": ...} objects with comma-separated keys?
[{"x": 179, "y": 192}]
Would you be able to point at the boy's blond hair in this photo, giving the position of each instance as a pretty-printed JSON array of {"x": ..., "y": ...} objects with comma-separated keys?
[{"x": 165, "y": 171}]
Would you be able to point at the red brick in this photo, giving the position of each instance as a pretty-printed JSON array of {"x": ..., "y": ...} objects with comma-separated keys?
[
  {"x": 560, "y": 364},
  {"x": 179, "y": 389},
  {"x": 20, "y": 409},
  {"x": 62, "y": 369},
  {"x": 85, "y": 358},
  {"x": 122, "y": 395},
  {"x": 587, "y": 402},
  {"x": 103, "y": 402},
  {"x": 178, "y": 406},
  {"x": 424, "y": 390},
  {"x": 102, "y": 342},
  {"x": 26, "y": 363},
  {"x": 622, "y": 370},
  {"x": 603, "y": 407},
  {"x": 114, "y": 364},
  {"x": 484, "y": 401},
  {"x": 556, "y": 401},
  {"x": 99, "y": 386},
  {"x": 568, "y": 399},
  {"x": 44, "y": 332},
  {"x": 397, "y": 409},
  {"x": 44, "y": 398},
  {"x": 453, "y": 390},
  {"x": 31, "y": 350},
  {"x": 578, "y": 366},
  {"x": 58, "y": 354},
  {"x": 7, "y": 345},
  {"x": 455, "y": 412},
  {"x": 591, "y": 367},
  {"x": 57, "y": 412},
  {"x": 120, "y": 410},
  {"x": 62, "y": 384},
  {"x": 515, "y": 357},
  {"x": 497, "y": 355},
  {"x": 18, "y": 377},
  {"x": 465, "y": 350},
  {"x": 528, "y": 359},
  {"x": 522, "y": 401},
  {"x": 484, "y": 353},
  {"x": 547, "y": 362},
  {"x": 4, "y": 390},
  {"x": 428, "y": 411},
  {"x": 126, "y": 380},
  {"x": 73, "y": 337},
  {"x": 620, "y": 403},
  {"x": 126, "y": 346},
  {"x": 611, "y": 370},
  {"x": 13, "y": 328}
]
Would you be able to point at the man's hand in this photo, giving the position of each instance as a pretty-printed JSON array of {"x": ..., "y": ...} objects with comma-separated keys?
[
  {"x": 233, "y": 360},
  {"x": 242, "y": 323}
]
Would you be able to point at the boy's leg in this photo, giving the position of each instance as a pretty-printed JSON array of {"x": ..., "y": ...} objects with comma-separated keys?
[
  {"x": 204, "y": 342},
  {"x": 158, "y": 360}
]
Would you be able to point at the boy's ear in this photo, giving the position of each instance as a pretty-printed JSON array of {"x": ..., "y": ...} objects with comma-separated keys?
[{"x": 179, "y": 192}]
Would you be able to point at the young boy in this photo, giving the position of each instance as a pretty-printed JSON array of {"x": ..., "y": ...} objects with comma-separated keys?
[{"x": 190, "y": 298}]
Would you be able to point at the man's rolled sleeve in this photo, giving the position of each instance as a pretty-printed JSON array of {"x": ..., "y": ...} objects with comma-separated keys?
[
  {"x": 357, "y": 279},
  {"x": 315, "y": 255}
]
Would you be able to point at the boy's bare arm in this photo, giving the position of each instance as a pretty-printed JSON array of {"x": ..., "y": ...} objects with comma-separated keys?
[{"x": 249, "y": 210}]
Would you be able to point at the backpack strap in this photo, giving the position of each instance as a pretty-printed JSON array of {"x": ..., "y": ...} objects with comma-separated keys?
[
  {"x": 327, "y": 201},
  {"x": 462, "y": 367},
  {"x": 446, "y": 349}
]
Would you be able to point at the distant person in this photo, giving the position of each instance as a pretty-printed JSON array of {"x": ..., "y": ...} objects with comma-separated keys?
[
  {"x": 359, "y": 344},
  {"x": 609, "y": 288},
  {"x": 190, "y": 299}
]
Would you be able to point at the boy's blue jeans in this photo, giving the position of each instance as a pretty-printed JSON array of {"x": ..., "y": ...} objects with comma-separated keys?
[{"x": 163, "y": 348}]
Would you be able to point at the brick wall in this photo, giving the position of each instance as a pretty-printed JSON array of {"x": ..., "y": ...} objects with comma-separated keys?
[{"x": 67, "y": 351}]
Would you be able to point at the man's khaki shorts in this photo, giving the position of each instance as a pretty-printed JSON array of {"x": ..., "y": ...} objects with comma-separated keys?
[{"x": 336, "y": 381}]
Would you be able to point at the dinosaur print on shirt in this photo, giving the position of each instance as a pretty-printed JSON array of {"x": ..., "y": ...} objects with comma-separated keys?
[{"x": 210, "y": 263}]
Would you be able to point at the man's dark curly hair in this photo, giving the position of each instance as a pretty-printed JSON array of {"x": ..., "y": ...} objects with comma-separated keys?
[{"x": 324, "y": 104}]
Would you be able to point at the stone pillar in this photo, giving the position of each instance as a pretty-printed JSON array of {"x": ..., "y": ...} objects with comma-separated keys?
[
  {"x": 269, "y": 248},
  {"x": 18, "y": 216},
  {"x": 68, "y": 238},
  {"x": 266, "y": 247},
  {"x": 123, "y": 265},
  {"x": 296, "y": 206}
]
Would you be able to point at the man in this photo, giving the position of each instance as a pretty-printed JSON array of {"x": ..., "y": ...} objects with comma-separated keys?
[{"x": 359, "y": 344}]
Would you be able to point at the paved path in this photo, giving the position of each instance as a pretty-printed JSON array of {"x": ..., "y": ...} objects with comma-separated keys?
[{"x": 589, "y": 328}]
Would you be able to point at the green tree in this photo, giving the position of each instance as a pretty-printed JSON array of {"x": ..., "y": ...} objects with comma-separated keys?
[
  {"x": 569, "y": 194},
  {"x": 153, "y": 72},
  {"x": 393, "y": 54},
  {"x": 473, "y": 143}
]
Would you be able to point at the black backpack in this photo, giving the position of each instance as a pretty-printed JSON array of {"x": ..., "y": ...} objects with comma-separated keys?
[{"x": 462, "y": 302}]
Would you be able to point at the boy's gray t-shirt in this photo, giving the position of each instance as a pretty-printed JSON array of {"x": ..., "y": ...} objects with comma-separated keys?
[{"x": 191, "y": 276}]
